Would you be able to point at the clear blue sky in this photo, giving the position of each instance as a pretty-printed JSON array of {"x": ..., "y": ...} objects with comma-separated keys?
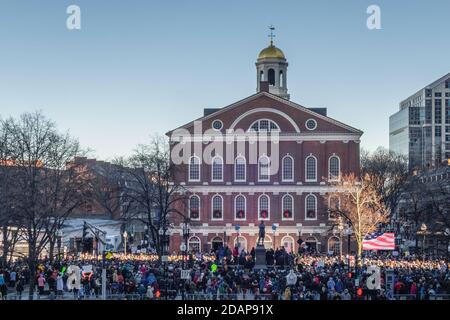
[{"x": 143, "y": 67}]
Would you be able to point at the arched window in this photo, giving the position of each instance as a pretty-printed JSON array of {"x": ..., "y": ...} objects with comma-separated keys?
[
  {"x": 282, "y": 79},
  {"x": 268, "y": 242},
  {"x": 264, "y": 125},
  {"x": 334, "y": 168},
  {"x": 288, "y": 207},
  {"x": 194, "y": 168},
  {"x": 261, "y": 76},
  {"x": 334, "y": 203},
  {"x": 264, "y": 169},
  {"x": 239, "y": 169},
  {"x": 239, "y": 207},
  {"x": 311, "y": 207},
  {"x": 263, "y": 207},
  {"x": 311, "y": 168},
  {"x": 217, "y": 207},
  {"x": 311, "y": 244},
  {"x": 241, "y": 243},
  {"x": 288, "y": 243},
  {"x": 217, "y": 243},
  {"x": 217, "y": 169},
  {"x": 194, "y": 244},
  {"x": 194, "y": 207},
  {"x": 288, "y": 168},
  {"x": 334, "y": 246},
  {"x": 271, "y": 75}
]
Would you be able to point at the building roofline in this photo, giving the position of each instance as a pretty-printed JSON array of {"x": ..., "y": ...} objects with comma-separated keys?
[
  {"x": 275, "y": 97},
  {"x": 430, "y": 86}
]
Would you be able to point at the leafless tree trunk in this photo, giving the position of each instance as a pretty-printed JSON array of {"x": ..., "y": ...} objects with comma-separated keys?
[{"x": 48, "y": 186}]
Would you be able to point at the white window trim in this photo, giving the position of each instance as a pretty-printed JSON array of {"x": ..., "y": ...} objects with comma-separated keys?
[
  {"x": 306, "y": 207},
  {"x": 329, "y": 168},
  {"x": 199, "y": 242},
  {"x": 259, "y": 123},
  {"x": 340, "y": 244},
  {"x": 329, "y": 205},
  {"x": 221, "y": 125},
  {"x": 282, "y": 208},
  {"x": 212, "y": 169},
  {"x": 292, "y": 240},
  {"x": 245, "y": 169},
  {"x": 245, "y": 207},
  {"x": 199, "y": 207},
  {"x": 306, "y": 168},
  {"x": 268, "y": 169},
  {"x": 292, "y": 169},
  {"x": 212, "y": 208},
  {"x": 246, "y": 241},
  {"x": 268, "y": 208},
  {"x": 315, "y": 124},
  {"x": 199, "y": 170}
]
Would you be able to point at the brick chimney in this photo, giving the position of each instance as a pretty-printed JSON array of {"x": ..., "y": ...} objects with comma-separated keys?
[{"x": 264, "y": 86}]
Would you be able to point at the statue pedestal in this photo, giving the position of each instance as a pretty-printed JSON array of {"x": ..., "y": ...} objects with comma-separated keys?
[{"x": 260, "y": 257}]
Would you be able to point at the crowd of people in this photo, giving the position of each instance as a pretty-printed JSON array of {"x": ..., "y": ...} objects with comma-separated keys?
[{"x": 229, "y": 274}]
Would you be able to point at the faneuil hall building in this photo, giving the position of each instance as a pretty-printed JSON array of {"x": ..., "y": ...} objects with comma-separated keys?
[{"x": 263, "y": 158}]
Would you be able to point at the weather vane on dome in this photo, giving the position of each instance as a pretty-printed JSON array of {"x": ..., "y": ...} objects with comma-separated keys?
[{"x": 271, "y": 35}]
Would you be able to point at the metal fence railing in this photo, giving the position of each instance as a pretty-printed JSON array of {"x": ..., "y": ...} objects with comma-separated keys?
[
  {"x": 197, "y": 296},
  {"x": 423, "y": 297}
]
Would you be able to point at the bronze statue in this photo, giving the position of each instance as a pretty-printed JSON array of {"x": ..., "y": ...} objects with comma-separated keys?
[{"x": 262, "y": 233}]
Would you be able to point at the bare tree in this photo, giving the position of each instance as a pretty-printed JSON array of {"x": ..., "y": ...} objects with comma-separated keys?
[
  {"x": 361, "y": 206},
  {"x": 149, "y": 191},
  {"x": 49, "y": 188},
  {"x": 412, "y": 206},
  {"x": 9, "y": 222},
  {"x": 439, "y": 203},
  {"x": 388, "y": 173}
]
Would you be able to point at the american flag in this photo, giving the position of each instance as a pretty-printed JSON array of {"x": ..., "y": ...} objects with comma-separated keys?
[{"x": 379, "y": 241}]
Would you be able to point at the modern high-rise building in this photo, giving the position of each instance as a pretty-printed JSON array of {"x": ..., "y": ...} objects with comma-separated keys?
[{"x": 421, "y": 128}]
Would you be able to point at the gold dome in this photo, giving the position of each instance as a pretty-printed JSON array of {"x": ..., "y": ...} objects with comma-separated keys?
[{"x": 271, "y": 52}]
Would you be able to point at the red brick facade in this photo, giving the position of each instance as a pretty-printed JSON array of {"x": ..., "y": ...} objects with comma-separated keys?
[{"x": 329, "y": 138}]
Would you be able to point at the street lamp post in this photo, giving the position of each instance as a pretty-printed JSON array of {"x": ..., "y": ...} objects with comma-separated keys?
[
  {"x": 341, "y": 230},
  {"x": 59, "y": 236},
  {"x": 274, "y": 228},
  {"x": 423, "y": 228},
  {"x": 238, "y": 228},
  {"x": 186, "y": 233},
  {"x": 125, "y": 236},
  {"x": 348, "y": 231}
]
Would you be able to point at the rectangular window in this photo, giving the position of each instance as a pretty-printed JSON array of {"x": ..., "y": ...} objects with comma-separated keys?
[
  {"x": 427, "y": 93},
  {"x": 438, "y": 94},
  {"x": 437, "y": 111},
  {"x": 239, "y": 173},
  {"x": 437, "y": 131},
  {"x": 263, "y": 168}
]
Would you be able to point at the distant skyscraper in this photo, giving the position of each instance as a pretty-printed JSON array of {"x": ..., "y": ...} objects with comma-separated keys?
[{"x": 421, "y": 128}]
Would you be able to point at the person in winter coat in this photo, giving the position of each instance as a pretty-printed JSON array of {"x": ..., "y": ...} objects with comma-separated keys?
[
  {"x": 41, "y": 283},
  {"x": 346, "y": 295},
  {"x": 287, "y": 294},
  {"x": 3, "y": 288},
  {"x": 150, "y": 292},
  {"x": 19, "y": 287},
  {"x": 59, "y": 284}
]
